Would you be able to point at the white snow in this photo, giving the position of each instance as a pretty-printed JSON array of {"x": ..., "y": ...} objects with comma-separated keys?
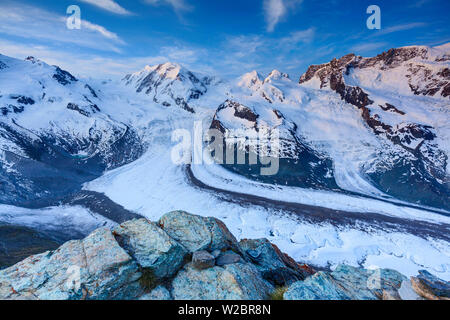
[{"x": 63, "y": 219}]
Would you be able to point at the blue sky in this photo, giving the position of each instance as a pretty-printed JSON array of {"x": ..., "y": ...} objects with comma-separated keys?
[{"x": 226, "y": 38}]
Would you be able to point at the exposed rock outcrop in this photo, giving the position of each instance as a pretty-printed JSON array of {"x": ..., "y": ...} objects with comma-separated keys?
[
  {"x": 346, "y": 283},
  {"x": 240, "y": 281},
  {"x": 198, "y": 233},
  {"x": 141, "y": 260}
]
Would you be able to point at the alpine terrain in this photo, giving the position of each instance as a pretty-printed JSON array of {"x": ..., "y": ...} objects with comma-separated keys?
[{"x": 363, "y": 178}]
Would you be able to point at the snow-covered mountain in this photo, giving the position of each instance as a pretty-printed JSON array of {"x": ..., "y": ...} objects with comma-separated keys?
[
  {"x": 376, "y": 126},
  {"x": 403, "y": 98},
  {"x": 169, "y": 84},
  {"x": 53, "y": 133}
]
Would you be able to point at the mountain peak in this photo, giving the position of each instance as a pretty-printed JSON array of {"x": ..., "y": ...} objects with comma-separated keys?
[
  {"x": 169, "y": 70},
  {"x": 251, "y": 79},
  {"x": 276, "y": 75}
]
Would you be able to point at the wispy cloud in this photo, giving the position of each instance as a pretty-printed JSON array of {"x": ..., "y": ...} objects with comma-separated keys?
[
  {"x": 419, "y": 3},
  {"x": 33, "y": 23},
  {"x": 109, "y": 5},
  {"x": 177, "y": 5},
  {"x": 80, "y": 64},
  {"x": 298, "y": 37},
  {"x": 276, "y": 10},
  {"x": 367, "y": 47},
  {"x": 401, "y": 27}
]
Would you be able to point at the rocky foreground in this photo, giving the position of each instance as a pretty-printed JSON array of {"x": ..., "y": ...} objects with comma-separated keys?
[{"x": 188, "y": 257}]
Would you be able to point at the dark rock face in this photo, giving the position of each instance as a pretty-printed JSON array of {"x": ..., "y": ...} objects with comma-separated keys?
[
  {"x": 23, "y": 100},
  {"x": 92, "y": 91},
  {"x": 18, "y": 106},
  {"x": 275, "y": 266},
  {"x": 63, "y": 77},
  {"x": 84, "y": 110},
  {"x": 390, "y": 107},
  {"x": 423, "y": 163},
  {"x": 430, "y": 287}
]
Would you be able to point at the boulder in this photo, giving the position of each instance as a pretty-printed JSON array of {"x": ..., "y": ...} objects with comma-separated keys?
[
  {"x": 240, "y": 281},
  {"x": 276, "y": 267},
  {"x": 151, "y": 247},
  {"x": 430, "y": 287},
  {"x": 93, "y": 268},
  {"x": 159, "y": 293},
  {"x": 228, "y": 257},
  {"x": 203, "y": 260},
  {"x": 198, "y": 233},
  {"x": 347, "y": 283},
  {"x": 321, "y": 286}
]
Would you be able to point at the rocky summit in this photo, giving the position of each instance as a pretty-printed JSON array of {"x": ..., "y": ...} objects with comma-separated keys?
[{"x": 184, "y": 256}]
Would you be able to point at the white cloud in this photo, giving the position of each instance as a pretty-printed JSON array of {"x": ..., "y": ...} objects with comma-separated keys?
[
  {"x": 80, "y": 64},
  {"x": 401, "y": 27},
  {"x": 177, "y": 5},
  {"x": 102, "y": 30},
  {"x": 369, "y": 46},
  {"x": 30, "y": 22},
  {"x": 297, "y": 37},
  {"x": 276, "y": 10},
  {"x": 108, "y": 5}
]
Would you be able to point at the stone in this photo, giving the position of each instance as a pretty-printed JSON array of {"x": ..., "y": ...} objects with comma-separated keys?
[
  {"x": 276, "y": 267},
  {"x": 430, "y": 287},
  {"x": 320, "y": 286},
  {"x": 203, "y": 260},
  {"x": 93, "y": 268},
  {"x": 198, "y": 233},
  {"x": 362, "y": 284},
  {"x": 240, "y": 281},
  {"x": 159, "y": 293},
  {"x": 151, "y": 247},
  {"x": 346, "y": 283},
  {"x": 228, "y": 257}
]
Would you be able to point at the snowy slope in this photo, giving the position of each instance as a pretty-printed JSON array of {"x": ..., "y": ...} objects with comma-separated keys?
[
  {"x": 402, "y": 96},
  {"x": 53, "y": 133}
]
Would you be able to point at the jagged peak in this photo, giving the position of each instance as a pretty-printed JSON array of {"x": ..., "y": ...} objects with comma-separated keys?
[
  {"x": 168, "y": 70},
  {"x": 32, "y": 59},
  {"x": 276, "y": 75},
  {"x": 250, "y": 79}
]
